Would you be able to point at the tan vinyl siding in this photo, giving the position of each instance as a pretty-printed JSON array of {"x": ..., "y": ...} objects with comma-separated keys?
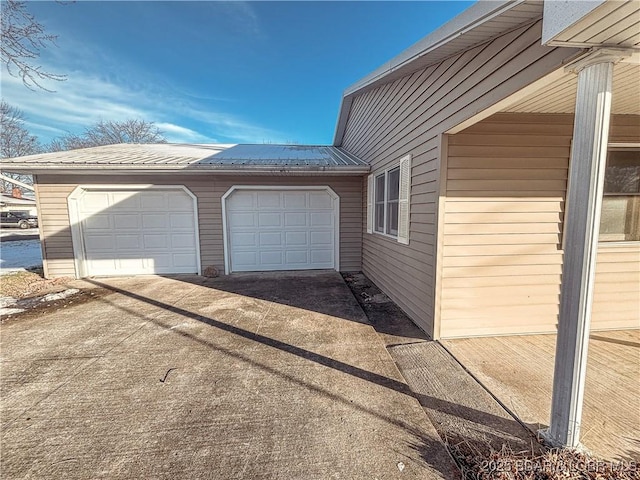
[
  {"x": 616, "y": 295},
  {"x": 53, "y": 191},
  {"x": 502, "y": 254},
  {"x": 407, "y": 116}
]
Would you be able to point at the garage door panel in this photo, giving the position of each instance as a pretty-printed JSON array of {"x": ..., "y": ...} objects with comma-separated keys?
[
  {"x": 296, "y": 239},
  {"x": 181, "y": 221},
  {"x": 154, "y": 220},
  {"x": 300, "y": 257},
  {"x": 180, "y": 240},
  {"x": 270, "y": 258},
  {"x": 244, "y": 239},
  {"x": 270, "y": 239},
  {"x": 124, "y": 201},
  {"x": 126, "y": 221},
  {"x": 242, "y": 201},
  {"x": 320, "y": 201},
  {"x": 134, "y": 264},
  {"x": 153, "y": 201},
  {"x": 242, "y": 220},
  {"x": 295, "y": 200},
  {"x": 184, "y": 261},
  {"x": 290, "y": 230},
  {"x": 155, "y": 241},
  {"x": 94, "y": 203},
  {"x": 148, "y": 232},
  {"x": 269, "y": 220},
  {"x": 268, "y": 200},
  {"x": 295, "y": 219},
  {"x": 124, "y": 242},
  {"x": 245, "y": 259},
  {"x": 180, "y": 203},
  {"x": 321, "y": 238},
  {"x": 322, "y": 257},
  {"x": 98, "y": 222},
  {"x": 321, "y": 219},
  {"x": 100, "y": 243}
]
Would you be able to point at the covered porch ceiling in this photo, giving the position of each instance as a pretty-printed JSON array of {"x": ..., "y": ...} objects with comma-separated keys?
[{"x": 559, "y": 95}]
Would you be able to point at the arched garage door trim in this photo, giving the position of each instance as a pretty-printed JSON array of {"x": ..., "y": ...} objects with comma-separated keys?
[
  {"x": 228, "y": 268},
  {"x": 73, "y": 202}
]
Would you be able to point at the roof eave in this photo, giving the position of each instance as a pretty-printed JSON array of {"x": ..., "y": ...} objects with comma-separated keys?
[
  {"x": 189, "y": 169},
  {"x": 474, "y": 16}
]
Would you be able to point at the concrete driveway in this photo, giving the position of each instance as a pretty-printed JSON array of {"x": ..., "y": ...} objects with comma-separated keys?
[{"x": 249, "y": 376}]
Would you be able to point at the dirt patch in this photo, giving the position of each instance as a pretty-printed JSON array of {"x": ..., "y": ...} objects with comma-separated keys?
[
  {"x": 28, "y": 284},
  {"x": 44, "y": 308}
]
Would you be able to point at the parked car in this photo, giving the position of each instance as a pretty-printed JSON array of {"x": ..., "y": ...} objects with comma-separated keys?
[{"x": 18, "y": 219}]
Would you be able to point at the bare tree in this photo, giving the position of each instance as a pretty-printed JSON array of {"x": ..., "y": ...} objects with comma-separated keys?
[
  {"x": 110, "y": 132},
  {"x": 22, "y": 39},
  {"x": 15, "y": 141}
]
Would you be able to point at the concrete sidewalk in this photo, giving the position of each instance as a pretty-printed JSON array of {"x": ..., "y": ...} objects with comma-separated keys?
[{"x": 248, "y": 376}]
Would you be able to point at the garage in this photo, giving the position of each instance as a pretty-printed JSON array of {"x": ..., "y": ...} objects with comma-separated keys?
[
  {"x": 270, "y": 229},
  {"x": 132, "y": 231}
]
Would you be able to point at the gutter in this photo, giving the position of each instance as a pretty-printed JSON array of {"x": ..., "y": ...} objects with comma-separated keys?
[{"x": 297, "y": 170}]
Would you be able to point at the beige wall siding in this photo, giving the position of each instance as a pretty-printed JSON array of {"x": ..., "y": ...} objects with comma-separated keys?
[
  {"x": 408, "y": 116},
  {"x": 502, "y": 254},
  {"x": 53, "y": 191}
]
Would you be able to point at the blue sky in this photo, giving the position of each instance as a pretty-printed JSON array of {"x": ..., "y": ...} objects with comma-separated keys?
[{"x": 215, "y": 72}]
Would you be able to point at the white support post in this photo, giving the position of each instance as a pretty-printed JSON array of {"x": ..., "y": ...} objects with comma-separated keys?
[{"x": 581, "y": 229}]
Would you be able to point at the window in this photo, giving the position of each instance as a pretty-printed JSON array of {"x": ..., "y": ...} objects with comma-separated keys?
[
  {"x": 387, "y": 191},
  {"x": 388, "y": 198},
  {"x": 620, "y": 220}
]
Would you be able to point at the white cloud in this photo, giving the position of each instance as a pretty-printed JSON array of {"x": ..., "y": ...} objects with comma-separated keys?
[
  {"x": 86, "y": 98},
  {"x": 177, "y": 134}
]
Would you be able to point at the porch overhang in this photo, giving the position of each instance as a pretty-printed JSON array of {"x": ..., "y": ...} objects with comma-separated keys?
[
  {"x": 591, "y": 23},
  {"x": 600, "y": 83}
]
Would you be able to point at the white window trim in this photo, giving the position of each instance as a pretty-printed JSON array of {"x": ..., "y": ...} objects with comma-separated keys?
[
  {"x": 77, "y": 240},
  {"x": 404, "y": 181},
  {"x": 620, "y": 243},
  {"x": 336, "y": 220}
]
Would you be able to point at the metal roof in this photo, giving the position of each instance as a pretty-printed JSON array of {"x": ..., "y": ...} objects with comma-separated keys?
[
  {"x": 480, "y": 23},
  {"x": 223, "y": 158}
]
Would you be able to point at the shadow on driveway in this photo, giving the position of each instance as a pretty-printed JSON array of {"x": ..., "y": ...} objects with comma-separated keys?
[{"x": 166, "y": 379}]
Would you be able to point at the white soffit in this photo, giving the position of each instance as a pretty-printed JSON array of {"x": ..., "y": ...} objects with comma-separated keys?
[
  {"x": 560, "y": 96},
  {"x": 593, "y": 23}
]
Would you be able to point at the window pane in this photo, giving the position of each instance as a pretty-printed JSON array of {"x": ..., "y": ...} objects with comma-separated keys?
[
  {"x": 621, "y": 204},
  {"x": 379, "y": 204},
  {"x": 393, "y": 184},
  {"x": 392, "y": 218},
  {"x": 379, "y": 217},
  {"x": 622, "y": 174},
  {"x": 380, "y": 188},
  {"x": 620, "y": 218}
]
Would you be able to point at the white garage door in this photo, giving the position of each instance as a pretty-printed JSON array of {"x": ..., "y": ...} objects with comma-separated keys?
[
  {"x": 281, "y": 230},
  {"x": 151, "y": 231}
]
